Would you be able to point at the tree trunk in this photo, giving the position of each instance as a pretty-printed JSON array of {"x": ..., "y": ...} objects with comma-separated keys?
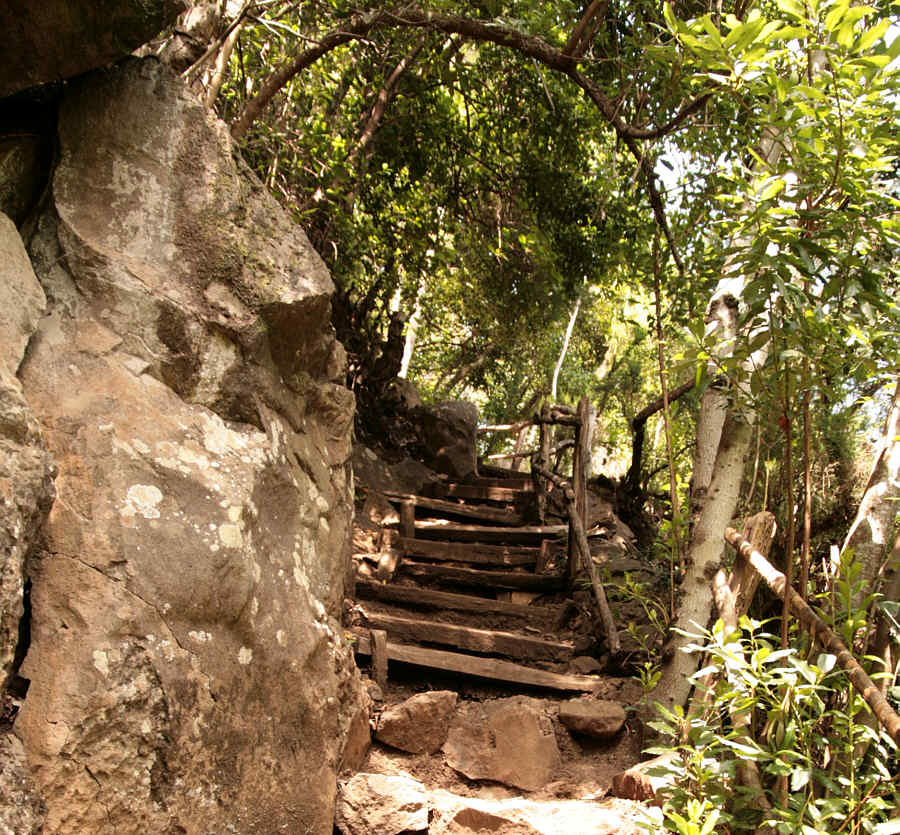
[
  {"x": 704, "y": 559},
  {"x": 565, "y": 347},
  {"x": 872, "y": 530}
]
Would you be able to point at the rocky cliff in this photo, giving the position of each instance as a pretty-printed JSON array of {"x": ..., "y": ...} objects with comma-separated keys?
[{"x": 175, "y": 486}]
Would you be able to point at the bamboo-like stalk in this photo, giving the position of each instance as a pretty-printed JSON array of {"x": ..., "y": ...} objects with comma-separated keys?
[{"x": 864, "y": 685}]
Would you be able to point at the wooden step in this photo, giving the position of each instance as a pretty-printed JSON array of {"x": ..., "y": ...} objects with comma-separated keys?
[
  {"x": 524, "y": 484},
  {"x": 490, "y": 668},
  {"x": 476, "y": 492},
  {"x": 486, "y": 470},
  {"x": 496, "y": 515},
  {"x": 431, "y": 599},
  {"x": 471, "y": 552},
  {"x": 524, "y": 534},
  {"x": 498, "y": 642},
  {"x": 475, "y": 577}
]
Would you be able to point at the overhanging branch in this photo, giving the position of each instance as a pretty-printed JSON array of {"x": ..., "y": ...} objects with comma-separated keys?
[{"x": 501, "y": 34}]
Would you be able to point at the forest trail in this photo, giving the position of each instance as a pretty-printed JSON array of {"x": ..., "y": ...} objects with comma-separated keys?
[{"x": 460, "y": 593}]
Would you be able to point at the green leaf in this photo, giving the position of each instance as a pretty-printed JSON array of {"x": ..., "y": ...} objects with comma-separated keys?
[
  {"x": 836, "y": 15},
  {"x": 872, "y": 36}
]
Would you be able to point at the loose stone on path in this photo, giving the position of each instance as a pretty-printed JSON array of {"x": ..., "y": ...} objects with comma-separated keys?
[
  {"x": 599, "y": 719},
  {"x": 420, "y": 724}
]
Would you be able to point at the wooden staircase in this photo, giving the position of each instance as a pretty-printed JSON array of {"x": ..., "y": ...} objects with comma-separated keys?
[{"x": 464, "y": 584}]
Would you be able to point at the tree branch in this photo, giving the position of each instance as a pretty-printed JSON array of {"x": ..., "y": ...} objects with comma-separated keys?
[
  {"x": 503, "y": 35},
  {"x": 886, "y": 715},
  {"x": 577, "y": 43},
  {"x": 381, "y": 101}
]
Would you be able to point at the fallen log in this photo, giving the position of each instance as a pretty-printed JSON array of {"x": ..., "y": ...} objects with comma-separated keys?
[{"x": 864, "y": 685}]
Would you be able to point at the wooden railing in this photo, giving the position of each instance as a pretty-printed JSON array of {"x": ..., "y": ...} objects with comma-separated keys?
[{"x": 581, "y": 420}]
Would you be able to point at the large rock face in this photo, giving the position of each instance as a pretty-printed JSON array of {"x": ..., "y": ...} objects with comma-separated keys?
[
  {"x": 26, "y": 467},
  {"x": 187, "y": 671},
  {"x": 56, "y": 39}
]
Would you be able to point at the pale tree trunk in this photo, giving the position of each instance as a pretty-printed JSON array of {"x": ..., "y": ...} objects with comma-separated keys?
[
  {"x": 565, "y": 347},
  {"x": 721, "y": 318},
  {"x": 221, "y": 67},
  {"x": 706, "y": 551},
  {"x": 412, "y": 331},
  {"x": 872, "y": 531}
]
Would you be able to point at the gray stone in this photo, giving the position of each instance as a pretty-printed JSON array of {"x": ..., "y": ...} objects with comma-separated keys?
[
  {"x": 376, "y": 804},
  {"x": 585, "y": 665},
  {"x": 593, "y": 717},
  {"x": 188, "y": 671},
  {"x": 419, "y": 724},
  {"x": 56, "y": 39},
  {"x": 509, "y": 741}
]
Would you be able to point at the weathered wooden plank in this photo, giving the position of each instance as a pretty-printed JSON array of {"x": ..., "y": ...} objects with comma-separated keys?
[
  {"x": 468, "y": 637},
  {"x": 496, "y": 515},
  {"x": 473, "y": 552},
  {"x": 431, "y": 599},
  {"x": 473, "y": 665},
  {"x": 475, "y": 492},
  {"x": 486, "y": 470},
  {"x": 480, "y": 578},
  {"x": 524, "y": 534},
  {"x": 517, "y": 484}
]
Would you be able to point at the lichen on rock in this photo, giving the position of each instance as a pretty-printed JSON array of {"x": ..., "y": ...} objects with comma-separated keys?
[{"x": 187, "y": 669}]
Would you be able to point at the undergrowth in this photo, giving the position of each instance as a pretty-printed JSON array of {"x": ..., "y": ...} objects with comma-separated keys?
[{"x": 824, "y": 765}]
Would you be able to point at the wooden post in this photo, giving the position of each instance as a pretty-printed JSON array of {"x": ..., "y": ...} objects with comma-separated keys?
[
  {"x": 540, "y": 489},
  {"x": 582, "y": 548},
  {"x": 581, "y": 469},
  {"x": 543, "y": 558},
  {"x": 379, "y": 657},
  {"x": 408, "y": 519}
]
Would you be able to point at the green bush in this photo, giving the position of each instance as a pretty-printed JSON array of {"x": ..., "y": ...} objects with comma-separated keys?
[{"x": 806, "y": 729}]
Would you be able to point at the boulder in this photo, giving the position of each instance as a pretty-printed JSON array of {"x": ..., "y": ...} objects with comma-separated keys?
[
  {"x": 375, "y": 804},
  {"x": 56, "y": 39},
  {"x": 447, "y": 432},
  {"x": 379, "y": 475},
  {"x": 197, "y": 28},
  {"x": 509, "y": 741},
  {"x": 592, "y": 717},
  {"x": 359, "y": 738},
  {"x": 22, "y": 300},
  {"x": 26, "y": 466},
  {"x": 456, "y": 815},
  {"x": 420, "y": 724},
  {"x": 187, "y": 669}
]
